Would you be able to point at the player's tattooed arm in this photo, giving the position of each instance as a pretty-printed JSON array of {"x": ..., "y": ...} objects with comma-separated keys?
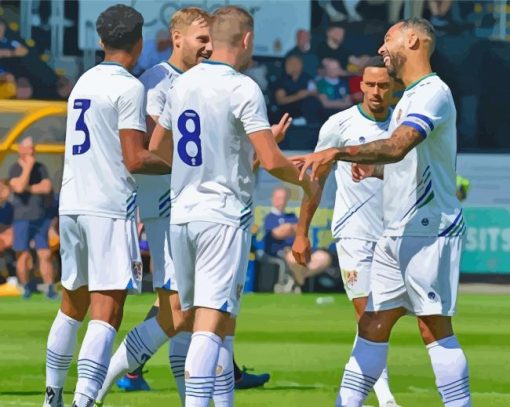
[{"x": 385, "y": 151}]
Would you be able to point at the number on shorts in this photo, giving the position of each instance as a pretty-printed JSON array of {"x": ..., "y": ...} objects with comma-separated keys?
[
  {"x": 83, "y": 105},
  {"x": 189, "y": 146}
]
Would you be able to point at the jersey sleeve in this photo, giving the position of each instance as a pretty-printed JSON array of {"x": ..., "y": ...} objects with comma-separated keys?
[
  {"x": 427, "y": 111},
  {"x": 165, "y": 119},
  {"x": 249, "y": 107},
  {"x": 156, "y": 96},
  {"x": 131, "y": 108},
  {"x": 329, "y": 136}
]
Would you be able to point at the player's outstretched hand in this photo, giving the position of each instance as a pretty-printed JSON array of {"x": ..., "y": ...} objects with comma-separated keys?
[
  {"x": 362, "y": 171},
  {"x": 301, "y": 250},
  {"x": 315, "y": 162},
  {"x": 279, "y": 130}
]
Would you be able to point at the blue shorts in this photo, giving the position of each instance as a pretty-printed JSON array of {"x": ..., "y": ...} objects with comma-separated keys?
[{"x": 27, "y": 230}]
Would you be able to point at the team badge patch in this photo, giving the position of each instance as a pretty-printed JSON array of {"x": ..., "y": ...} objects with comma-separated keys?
[
  {"x": 137, "y": 270},
  {"x": 351, "y": 277},
  {"x": 362, "y": 140}
]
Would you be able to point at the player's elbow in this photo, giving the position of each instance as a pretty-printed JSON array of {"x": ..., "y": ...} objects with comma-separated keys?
[
  {"x": 271, "y": 164},
  {"x": 134, "y": 164}
]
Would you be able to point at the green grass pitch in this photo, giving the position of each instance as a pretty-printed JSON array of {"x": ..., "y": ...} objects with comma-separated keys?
[{"x": 303, "y": 345}]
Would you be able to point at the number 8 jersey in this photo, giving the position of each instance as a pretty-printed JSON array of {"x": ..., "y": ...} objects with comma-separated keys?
[
  {"x": 211, "y": 110},
  {"x": 106, "y": 99}
]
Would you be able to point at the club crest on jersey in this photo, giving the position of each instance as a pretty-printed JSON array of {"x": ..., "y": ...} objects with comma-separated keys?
[
  {"x": 351, "y": 277},
  {"x": 137, "y": 270}
]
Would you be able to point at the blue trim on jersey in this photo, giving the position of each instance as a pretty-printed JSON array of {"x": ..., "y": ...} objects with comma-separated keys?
[
  {"x": 166, "y": 194},
  {"x": 174, "y": 68},
  {"x": 417, "y": 127},
  {"x": 348, "y": 215},
  {"x": 111, "y": 63},
  {"x": 421, "y": 198},
  {"x": 424, "y": 118},
  {"x": 449, "y": 228}
]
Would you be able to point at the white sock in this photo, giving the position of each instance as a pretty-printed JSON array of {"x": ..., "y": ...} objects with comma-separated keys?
[
  {"x": 451, "y": 370},
  {"x": 223, "y": 394},
  {"x": 177, "y": 351},
  {"x": 366, "y": 363},
  {"x": 93, "y": 360},
  {"x": 200, "y": 368},
  {"x": 137, "y": 347},
  {"x": 382, "y": 388},
  {"x": 60, "y": 349}
]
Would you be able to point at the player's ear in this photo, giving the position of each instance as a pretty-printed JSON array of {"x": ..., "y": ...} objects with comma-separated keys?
[
  {"x": 176, "y": 39},
  {"x": 247, "y": 39},
  {"x": 101, "y": 44},
  {"x": 413, "y": 41}
]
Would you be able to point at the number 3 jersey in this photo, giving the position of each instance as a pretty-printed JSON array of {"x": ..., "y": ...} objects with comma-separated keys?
[
  {"x": 211, "y": 110},
  {"x": 106, "y": 99}
]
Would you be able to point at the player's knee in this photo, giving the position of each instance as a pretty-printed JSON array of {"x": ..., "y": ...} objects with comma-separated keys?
[
  {"x": 373, "y": 327},
  {"x": 166, "y": 322},
  {"x": 433, "y": 328}
]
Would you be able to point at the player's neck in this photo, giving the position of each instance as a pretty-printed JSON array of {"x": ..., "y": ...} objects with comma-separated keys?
[
  {"x": 225, "y": 56},
  {"x": 119, "y": 57},
  {"x": 378, "y": 115},
  {"x": 177, "y": 62},
  {"x": 414, "y": 72}
]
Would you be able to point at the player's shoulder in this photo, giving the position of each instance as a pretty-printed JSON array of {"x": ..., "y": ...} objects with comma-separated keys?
[
  {"x": 430, "y": 85},
  {"x": 338, "y": 120},
  {"x": 159, "y": 74}
]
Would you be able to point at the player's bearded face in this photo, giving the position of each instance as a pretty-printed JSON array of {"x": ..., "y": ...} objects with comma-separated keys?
[
  {"x": 197, "y": 44},
  {"x": 392, "y": 51}
]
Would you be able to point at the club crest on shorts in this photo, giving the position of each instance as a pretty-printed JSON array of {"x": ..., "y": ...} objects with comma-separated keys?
[
  {"x": 137, "y": 270},
  {"x": 351, "y": 277},
  {"x": 362, "y": 140},
  {"x": 432, "y": 296}
]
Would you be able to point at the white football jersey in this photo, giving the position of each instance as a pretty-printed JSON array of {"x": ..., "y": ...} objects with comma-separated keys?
[
  {"x": 358, "y": 206},
  {"x": 211, "y": 110},
  {"x": 419, "y": 191},
  {"x": 106, "y": 99},
  {"x": 153, "y": 194}
]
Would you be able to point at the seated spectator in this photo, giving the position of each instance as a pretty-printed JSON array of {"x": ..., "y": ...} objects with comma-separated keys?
[
  {"x": 333, "y": 90},
  {"x": 280, "y": 229},
  {"x": 17, "y": 58},
  {"x": 332, "y": 48},
  {"x": 31, "y": 189},
  {"x": 303, "y": 49},
  {"x": 6, "y": 220},
  {"x": 7, "y": 85},
  {"x": 295, "y": 92}
]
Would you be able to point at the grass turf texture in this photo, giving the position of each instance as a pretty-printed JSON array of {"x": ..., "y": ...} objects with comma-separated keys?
[{"x": 303, "y": 345}]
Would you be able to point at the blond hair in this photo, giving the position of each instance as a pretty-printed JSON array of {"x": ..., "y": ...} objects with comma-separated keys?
[
  {"x": 230, "y": 24},
  {"x": 186, "y": 16}
]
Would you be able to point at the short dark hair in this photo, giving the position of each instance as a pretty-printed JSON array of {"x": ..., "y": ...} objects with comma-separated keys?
[
  {"x": 424, "y": 26},
  {"x": 374, "y": 62},
  {"x": 119, "y": 27}
]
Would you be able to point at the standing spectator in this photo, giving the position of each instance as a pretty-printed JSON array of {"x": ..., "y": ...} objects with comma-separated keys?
[
  {"x": 154, "y": 51},
  {"x": 295, "y": 92},
  {"x": 439, "y": 12},
  {"x": 6, "y": 219},
  {"x": 32, "y": 188},
  {"x": 333, "y": 90},
  {"x": 332, "y": 48},
  {"x": 280, "y": 227},
  {"x": 303, "y": 49}
]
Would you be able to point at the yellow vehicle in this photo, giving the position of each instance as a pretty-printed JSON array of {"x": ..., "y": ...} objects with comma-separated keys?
[{"x": 45, "y": 122}]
